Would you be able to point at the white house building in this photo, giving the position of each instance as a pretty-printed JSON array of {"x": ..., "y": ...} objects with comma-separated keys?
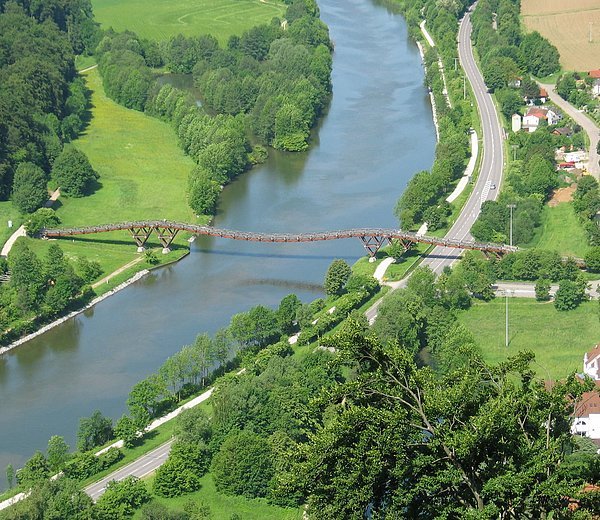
[
  {"x": 586, "y": 421},
  {"x": 534, "y": 115}
]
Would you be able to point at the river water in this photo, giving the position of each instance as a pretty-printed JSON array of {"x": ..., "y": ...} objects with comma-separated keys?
[{"x": 377, "y": 133}]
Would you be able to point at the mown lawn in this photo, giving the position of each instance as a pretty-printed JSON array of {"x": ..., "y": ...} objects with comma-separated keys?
[
  {"x": 222, "y": 506},
  {"x": 143, "y": 172},
  {"x": 558, "y": 339},
  {"x": 159, "y": 20},
  {"x": 8, "y": 212},
  {"x": 561, "y": 231}
]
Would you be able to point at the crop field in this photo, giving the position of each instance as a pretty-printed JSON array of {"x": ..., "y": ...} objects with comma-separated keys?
[
  {"x": 161, "y": 19},
  {"x": 566, "y": 23},
  {"x": 558, "y": 339}
]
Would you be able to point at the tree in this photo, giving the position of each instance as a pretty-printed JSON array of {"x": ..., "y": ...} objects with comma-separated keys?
[
  {"x": 592, "y": 259},
  {"x": 41, "y": 218},
  {"x": 203, "y": 192},
  {"x": 73, "y": 172},
  {"x": 479, "y": 442},
  {"x": 243, "y": 465},
  {"x": 127, "y": 430},
  {"x": 10, "y": 475},
  {"x": 569, "y": 295},
  {"x": 193, "y": 426},
  {"x": 35, "y": 470},
  {"x": 255, "y": 328},
  {"x": 336, "y": 277},
  {"x": 542, "y": 289},
  {"x": 145, "y": 398},
  {"x": 57, "y": 453},
  {"x": 121, "y": 499},
  {"x": 29, "y": 188},
  {"x": 181, "y": 472},
  {"x": 286, "y": 313},
  {"x": 94, "y": 431}
]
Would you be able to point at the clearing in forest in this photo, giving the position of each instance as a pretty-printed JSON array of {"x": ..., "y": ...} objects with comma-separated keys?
[
  {"x": 567, "y": 25},
  {"x": 159, "y": 20}
]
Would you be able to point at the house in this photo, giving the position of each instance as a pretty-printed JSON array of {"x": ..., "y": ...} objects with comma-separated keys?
[
  {"x": 591, "y": 363},
  {"x": 586, "y": 414},
  {"x": 563, "y": 130},
  {"x": 534, "y": 115},
  {"x": 516, "y": 122},
  {"x": 594, "y": 74},
  {"x": 543, "y": 95}
]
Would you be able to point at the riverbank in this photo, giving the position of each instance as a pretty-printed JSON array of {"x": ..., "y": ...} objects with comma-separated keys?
[{"x": 98, "y": 299}]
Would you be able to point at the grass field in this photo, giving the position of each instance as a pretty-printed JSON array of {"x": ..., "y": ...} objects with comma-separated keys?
[
  {"x": 8, "y": 212},
  {"x": 222, "y": 506},
  {"x": 159, "y": 20},
  {"x": 567, "y": 25},
  {"x": 558, "y": 339},
  {"x": 561, "y": 231}
]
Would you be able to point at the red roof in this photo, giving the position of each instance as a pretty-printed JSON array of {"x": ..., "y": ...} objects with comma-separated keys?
[
  {"x": 589, "y": 403},
  {"x": 543, "y": 92},
  {"x": 594, "y": 353},
  {"x": 595, "y": 73},
  {"x": 541, "y": 113}
]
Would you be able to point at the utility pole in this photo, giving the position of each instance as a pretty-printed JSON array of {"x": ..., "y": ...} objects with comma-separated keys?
[
  {"x": 514, "y": 148},
  {"x": 465, "y": 87},
  {"x": 591, "y": 23},
  {"x": 511, "y": 207},
  {"x": 455, "y": 63},
  {"x": 506, "y": 321}
]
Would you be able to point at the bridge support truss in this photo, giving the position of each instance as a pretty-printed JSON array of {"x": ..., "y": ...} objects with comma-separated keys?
[
  {"x": 140, "y": 236},
  {"x": 373, "y": 243},
  {"x": 166, "y": 235}
]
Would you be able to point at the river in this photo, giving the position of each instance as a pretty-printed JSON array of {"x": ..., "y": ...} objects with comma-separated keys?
[{"x": 377, "y": 133}]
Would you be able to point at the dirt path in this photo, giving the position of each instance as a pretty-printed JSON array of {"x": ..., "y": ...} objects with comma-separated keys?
[{"x": 117, "y": 272}]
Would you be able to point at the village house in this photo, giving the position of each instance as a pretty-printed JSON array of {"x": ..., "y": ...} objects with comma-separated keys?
[
  {"x": 586, "y": 415},
  {"x": 534, "y": 115},
  {"x": 595, "y": 75}
]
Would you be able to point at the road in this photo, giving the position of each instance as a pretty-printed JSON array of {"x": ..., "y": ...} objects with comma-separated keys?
[
  {"x": 141, "y": 467},
  {"x": 585, "y": 122},
  {"x": 490, "y": 173},
  {"x": 493, "y": 155}
]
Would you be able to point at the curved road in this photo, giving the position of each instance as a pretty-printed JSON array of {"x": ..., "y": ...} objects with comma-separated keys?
[
  {"x": 491, "y": 173},
  {"x": 493, "y": 155}
]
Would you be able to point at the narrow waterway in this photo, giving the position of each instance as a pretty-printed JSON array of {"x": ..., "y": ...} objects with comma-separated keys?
[{"x": 378, "y": 132}]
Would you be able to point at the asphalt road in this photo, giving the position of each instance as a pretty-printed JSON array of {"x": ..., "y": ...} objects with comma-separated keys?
[
  {"x": 493, "y": 156},
  {"x": 141, "y": 467},
  {"x": 585, "y": 122},
  {"x": 491, "y": 166}
]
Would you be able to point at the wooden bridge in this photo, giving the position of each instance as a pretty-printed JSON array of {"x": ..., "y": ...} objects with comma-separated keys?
[{"x": 372, "y": 238}]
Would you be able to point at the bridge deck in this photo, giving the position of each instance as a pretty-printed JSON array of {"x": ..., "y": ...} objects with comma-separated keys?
[{"x": 381, "y": 234}]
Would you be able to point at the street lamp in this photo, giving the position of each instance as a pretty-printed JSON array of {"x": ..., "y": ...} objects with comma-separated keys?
[
  {"x": 511, "y": 207},
  {"x": 506, "y": 338}
]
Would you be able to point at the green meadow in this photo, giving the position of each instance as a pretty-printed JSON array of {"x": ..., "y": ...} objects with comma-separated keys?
[
  {"x": 561, "y": 231},
  {"x": 159, "y": 20},
  {"x": 558, "y": 339}
]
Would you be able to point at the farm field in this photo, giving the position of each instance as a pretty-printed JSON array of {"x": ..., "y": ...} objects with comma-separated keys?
[
  {"x": 561, "y": 231},
  {"x": 558, "y": 339},
  {"x": 160, "y": 20},
  {"x": 567, "y": 25}
]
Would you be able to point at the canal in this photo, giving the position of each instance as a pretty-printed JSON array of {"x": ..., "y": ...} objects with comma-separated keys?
[{"x": 377, "y": 133}]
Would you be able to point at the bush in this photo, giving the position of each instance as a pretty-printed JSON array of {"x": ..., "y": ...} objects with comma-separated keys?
[
  {"x": 42, "y": 218},
  {"x": 73, "y": 172},
  {"x": 243, "y": 465},
  {"x": 29, "y": 188},
  {"x": 569, "y": 295}
]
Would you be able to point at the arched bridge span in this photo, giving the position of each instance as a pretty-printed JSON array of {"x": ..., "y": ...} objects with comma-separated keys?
[{"x": 372, "y": 238}]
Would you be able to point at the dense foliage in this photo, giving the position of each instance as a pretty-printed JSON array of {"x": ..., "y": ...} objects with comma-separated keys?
[{"x": 42, "y": 103}]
